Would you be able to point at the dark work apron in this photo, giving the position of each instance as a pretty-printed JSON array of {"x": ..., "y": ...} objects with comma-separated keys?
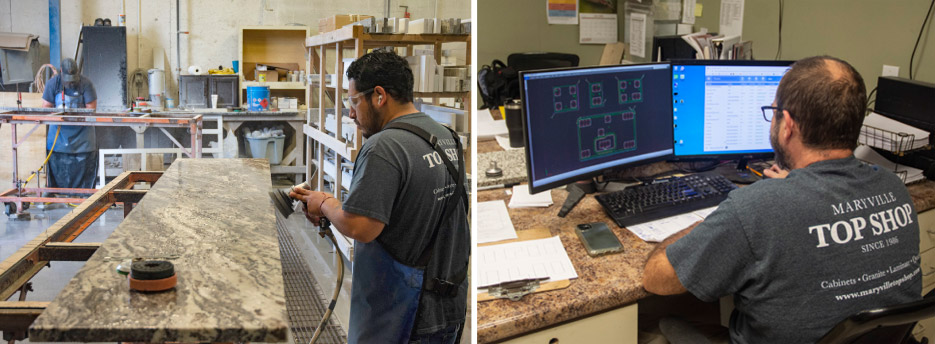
[
  {"x": 74, "y": 161},
  {"x": 384, "y": 296},
  {"x": 383, "y": 309}
]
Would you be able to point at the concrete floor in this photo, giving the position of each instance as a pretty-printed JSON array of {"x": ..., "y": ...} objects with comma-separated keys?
[{"x": 49, "y": 281}]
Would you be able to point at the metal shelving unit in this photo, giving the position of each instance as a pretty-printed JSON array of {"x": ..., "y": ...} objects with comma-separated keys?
[{"x": 331, "y": 153}]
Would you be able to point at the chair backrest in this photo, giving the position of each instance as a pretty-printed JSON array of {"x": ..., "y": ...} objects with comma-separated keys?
[
  {"x": 884, "y": 325},
  {"x": 532, "y": 61}
]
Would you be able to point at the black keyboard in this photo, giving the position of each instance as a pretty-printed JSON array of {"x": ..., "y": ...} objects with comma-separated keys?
[{"x": 677, "y": 195}]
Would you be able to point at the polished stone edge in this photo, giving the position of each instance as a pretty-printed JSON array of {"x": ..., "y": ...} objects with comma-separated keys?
[{"x": 277, "y": 334}]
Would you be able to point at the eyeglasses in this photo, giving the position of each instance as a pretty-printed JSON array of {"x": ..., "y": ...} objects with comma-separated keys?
[
  {"x": 355, "y": 99},
  {"x": 769, "y": 118}
]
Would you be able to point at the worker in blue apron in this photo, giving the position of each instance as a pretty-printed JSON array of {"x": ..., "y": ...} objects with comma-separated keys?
[
  {"x": 407, "y": 212},
  {"x": 73, "y": 162}
]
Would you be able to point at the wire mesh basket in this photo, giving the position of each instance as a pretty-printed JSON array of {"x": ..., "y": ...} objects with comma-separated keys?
[{"x": 897, "y": 143}]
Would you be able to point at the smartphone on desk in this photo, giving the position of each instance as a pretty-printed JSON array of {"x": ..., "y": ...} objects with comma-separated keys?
[{"x": 598, "y": 239}]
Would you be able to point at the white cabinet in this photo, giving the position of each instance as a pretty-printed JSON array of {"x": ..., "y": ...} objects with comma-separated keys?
[{"x": 616, "y": 326}]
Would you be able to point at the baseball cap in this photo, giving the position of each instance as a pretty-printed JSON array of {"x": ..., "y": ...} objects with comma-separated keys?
[{"x": 70, "y": 70}]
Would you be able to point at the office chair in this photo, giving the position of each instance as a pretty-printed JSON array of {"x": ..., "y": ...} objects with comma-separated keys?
[
  {"x": 531, "y": 61},
  {"x": 883, "y": 325}
]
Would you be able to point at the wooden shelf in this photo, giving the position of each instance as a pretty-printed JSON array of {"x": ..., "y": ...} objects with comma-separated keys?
[
  {"x": 440, "y": 94},
  {"x": 354, "y": 32},
  {"x": 421, "y": 94},
  {"x": 333, "y": 47},
  {"x": 276, "y": 45},
  {"x": 276, "y": 85}
]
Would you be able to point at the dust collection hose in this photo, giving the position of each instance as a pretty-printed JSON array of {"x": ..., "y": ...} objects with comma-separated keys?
[{"x": 283, "y": 203}]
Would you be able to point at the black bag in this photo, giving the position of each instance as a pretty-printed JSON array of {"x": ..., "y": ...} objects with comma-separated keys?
[{"x": 497, "y": 83}]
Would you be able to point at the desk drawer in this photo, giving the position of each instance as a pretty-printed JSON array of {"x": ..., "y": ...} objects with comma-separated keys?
[
  {"x": 925, "y": 328},
  {"x": 926, "y": 230},
  {"x": 928, "y": 270},
  {"x": 616, "y": 326}
]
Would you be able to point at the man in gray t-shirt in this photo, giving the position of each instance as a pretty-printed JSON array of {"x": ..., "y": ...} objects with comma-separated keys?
[
  {"x": 827, "y": 237},
  {"x": 406, "y": 286}
]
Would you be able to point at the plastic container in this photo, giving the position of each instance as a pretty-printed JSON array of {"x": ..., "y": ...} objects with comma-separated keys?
[
  {"x": 257, "y": 98},
  {"x": 269, "y": 148}
]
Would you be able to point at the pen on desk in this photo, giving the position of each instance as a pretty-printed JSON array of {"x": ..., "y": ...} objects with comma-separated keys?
[
  {"x": 514, "y": 283},
  {"x": 496, "y": 186},
  {"x": 755, "y": 171}
]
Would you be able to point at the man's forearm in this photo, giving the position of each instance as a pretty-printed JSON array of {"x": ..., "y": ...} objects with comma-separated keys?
[
  {"x": 360, "y": 228},
  {"x": 671, "y": 239},
  {"x": 659, "y": 275}
]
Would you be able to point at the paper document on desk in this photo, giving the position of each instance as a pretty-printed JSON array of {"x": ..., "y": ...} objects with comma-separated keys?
[
  {"x": 522, "y": 199},
  {"x": 493, "y": 222},
  {"x": 487, "y": 127},
  {"x": 916, "y": 138},
  {"x": 659, "y": 230},
  {"x": 504, "y": 142},
  {"x": 523, "y": 260},
  {"x": 871, "y": 156}
]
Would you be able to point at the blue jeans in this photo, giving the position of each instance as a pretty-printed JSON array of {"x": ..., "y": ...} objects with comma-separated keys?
[{"x": 444, "y": 336}]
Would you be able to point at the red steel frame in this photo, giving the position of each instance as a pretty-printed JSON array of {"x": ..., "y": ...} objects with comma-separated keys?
[
  {"x": 19, "y": 194},
  {"x": 52, "y": 245}
]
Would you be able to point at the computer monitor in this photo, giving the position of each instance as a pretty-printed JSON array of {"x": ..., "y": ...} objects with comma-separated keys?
[
  {"x": 717, "y": 107},
  {"x": 582, "y": 122}
]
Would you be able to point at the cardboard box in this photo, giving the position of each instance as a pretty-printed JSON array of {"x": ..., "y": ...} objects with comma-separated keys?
[
  {"x": 338, "y": 21},
  {"x": 265, "y": 75}
]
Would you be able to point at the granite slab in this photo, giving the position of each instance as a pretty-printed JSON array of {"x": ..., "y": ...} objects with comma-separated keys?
[
  {"x": 604, "y": 283},
  {"x": 215, "y": 216},
  {"x": 512, "y": 162}
]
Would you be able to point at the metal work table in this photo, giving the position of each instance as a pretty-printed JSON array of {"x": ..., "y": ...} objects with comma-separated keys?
[
  {"x": 215, "y": 216},
  {"x": 293, "y": 161},
  {"x": 84, "y": 117}
]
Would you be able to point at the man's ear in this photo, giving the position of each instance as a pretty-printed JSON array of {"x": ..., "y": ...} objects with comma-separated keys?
[
  {"x": 380, "y": 93},
  {"x": 788, "y": 125}
]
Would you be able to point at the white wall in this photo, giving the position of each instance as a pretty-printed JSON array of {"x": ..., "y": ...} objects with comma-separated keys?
[{"x": 214, "y": 24}]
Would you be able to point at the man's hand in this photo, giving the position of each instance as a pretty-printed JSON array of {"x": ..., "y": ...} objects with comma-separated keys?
[
  {"x": 312, "y": 200},
  {"x": 775, "y": 172}
]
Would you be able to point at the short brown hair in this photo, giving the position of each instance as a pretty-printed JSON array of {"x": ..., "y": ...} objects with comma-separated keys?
[{"x": 828, "y": 99}]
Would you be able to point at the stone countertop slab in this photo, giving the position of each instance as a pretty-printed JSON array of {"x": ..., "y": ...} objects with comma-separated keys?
[
  {"x": 512, "y": 162},
  {"x": 604, "y": 283},
  {"x": 216, "y": 215}
]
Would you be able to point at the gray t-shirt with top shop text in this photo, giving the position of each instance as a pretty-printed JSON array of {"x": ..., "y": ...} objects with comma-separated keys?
[{"x": 800, "y": 254}]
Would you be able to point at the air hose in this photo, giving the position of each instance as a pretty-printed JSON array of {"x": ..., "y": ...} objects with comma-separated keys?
[
  {"x": 55, "y": 140},
  {"x": 324, "y": 230}
]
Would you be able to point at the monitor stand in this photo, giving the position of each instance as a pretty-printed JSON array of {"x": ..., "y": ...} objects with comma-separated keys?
[
  {"x": 576, "y": 191},
  {"x": 738, "y": 174}
]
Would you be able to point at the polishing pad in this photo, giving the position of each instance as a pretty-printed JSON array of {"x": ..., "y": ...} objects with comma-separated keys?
[{"x": 152, "y": 275}]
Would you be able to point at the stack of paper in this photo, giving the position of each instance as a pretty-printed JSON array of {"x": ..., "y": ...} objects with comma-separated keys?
[
  {"x": 493, "y": 222},
  {"x": 522, "y": 198},
  {"x": 487, "y": 127},
  {"x": 504, "y": 142},
  {"x": 659, "y": 230},
  {"x": 523, "y": 260},
  {"x": 910, "y": 174},
  {"x": 889, "y": 134}
]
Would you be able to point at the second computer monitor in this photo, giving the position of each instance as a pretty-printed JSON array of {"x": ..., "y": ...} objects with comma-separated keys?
[
  {"x": 583, "y": 122},
  {"x": 716, "y": 107}
]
